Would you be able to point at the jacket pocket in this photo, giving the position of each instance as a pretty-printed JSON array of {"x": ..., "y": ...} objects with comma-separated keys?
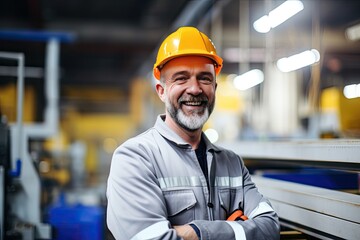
[
  {"x": 230, "y": 199},
  {"x": 180, "y": 206}
]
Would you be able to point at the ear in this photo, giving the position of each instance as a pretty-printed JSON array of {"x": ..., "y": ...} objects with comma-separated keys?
[{"x": 160, "y": 91}]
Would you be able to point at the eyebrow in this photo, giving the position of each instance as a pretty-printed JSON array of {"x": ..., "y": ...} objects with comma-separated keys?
[
  {"x": 204, "y": 73},
  {"x": 179, "y": 73}
]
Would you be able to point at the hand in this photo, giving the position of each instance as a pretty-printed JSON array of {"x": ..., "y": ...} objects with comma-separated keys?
[{"x": 186, "y": 232}]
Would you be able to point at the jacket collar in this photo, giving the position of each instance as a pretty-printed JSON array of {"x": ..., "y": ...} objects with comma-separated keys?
[{"x": 170, "y": 135}]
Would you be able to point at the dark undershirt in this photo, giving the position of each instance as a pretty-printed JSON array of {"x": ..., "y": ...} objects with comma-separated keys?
[{"x": 201, "y": 156}]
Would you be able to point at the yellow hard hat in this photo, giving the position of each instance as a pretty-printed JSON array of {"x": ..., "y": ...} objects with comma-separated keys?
[{"x": 184, "y": 42}]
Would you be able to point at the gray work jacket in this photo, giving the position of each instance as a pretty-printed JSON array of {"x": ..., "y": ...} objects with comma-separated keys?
[{"x": 156, "y": 182}]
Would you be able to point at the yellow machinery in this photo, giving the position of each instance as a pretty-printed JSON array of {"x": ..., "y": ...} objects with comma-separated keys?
[{"x": 342, "y": 113}]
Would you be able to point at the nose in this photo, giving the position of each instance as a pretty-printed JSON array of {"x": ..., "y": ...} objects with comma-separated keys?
[{"x": 194, "y": 87}]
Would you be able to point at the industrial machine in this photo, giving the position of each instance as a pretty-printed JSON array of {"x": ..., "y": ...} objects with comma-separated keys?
[
  {"x": 4, "y": 162},
  {"x": 20, "y": 210}
]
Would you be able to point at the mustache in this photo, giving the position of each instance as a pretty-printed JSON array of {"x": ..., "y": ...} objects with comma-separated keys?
[{"x": 189, "y": 98}]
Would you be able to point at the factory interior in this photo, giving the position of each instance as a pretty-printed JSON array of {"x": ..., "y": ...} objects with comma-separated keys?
[{"x": 76, "y": 81}]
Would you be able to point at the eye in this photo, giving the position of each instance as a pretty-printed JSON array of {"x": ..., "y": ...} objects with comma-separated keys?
[
  {"x": 206, "y": 80},
  {"x": 181, "y": 79}
]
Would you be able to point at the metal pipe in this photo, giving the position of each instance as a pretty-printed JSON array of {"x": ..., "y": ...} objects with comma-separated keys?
[
  {"x": 51, "y": 113},
  {"x": 20, "y": 101},
  {"x": 19, "y": 57}
]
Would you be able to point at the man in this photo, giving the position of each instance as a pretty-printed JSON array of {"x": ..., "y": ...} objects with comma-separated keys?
[{"x": 170, "y": 182}]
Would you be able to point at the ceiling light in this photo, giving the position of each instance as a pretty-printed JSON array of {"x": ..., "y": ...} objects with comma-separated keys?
[
  {"x": 353, "y": 33},
  {"x": 278, "y": 15},
  {"x": 249, "y": 79},
  {"x": 212, "y": 135},
  {"x": 352, "y": 91},
  {"x": 262, "y": 25},
  {"x": 297, "y": 61}
]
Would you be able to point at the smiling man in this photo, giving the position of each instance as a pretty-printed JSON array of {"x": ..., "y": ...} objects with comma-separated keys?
[
  {"x": 171, "y": 182},
  {"x": 188, "y": 89}
]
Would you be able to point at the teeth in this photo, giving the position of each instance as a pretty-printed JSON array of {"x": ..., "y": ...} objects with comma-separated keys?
[{"x": 193, "y": 103}]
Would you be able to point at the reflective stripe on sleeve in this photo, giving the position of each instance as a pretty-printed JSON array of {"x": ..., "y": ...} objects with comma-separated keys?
[
  {"x": 238, "y": 230},
  {"x": 153, "y": 231},
  {"x": 263, "y": 207},
  {"x": 194, "y": 181}
]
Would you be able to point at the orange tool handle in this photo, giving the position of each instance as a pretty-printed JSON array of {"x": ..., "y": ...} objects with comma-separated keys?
[{"x": 237, "y": 215}]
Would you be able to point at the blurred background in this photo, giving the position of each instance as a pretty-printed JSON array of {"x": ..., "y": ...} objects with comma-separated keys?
[{"x": 76, "y": 82}]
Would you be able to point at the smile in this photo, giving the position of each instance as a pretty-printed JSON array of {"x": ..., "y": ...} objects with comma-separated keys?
[{"x": 198, "y": 103}]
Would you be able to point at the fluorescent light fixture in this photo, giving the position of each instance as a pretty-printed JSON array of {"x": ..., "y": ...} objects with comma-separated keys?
[
  {"x": 249, "y": 79},
  {"x": 212, "y": 135},
  {"x": 284, "y": 12},
  {"x": 262, "y": 25},
  {"x": 353, "y": 33},
  {"x": 352, "y": 91},
  {"x": 297, "y": 61},
  {"x": 277, "y": 16}
]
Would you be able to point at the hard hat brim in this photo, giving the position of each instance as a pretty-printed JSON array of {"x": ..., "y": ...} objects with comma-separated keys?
[{"x": 217, "y": 61}]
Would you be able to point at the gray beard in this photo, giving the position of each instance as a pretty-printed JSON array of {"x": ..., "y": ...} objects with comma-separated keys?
[{"x": 193, "y": 122}]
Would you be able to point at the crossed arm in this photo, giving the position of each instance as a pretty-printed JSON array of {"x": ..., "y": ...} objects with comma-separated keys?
[{"x": 186, "y": 232}]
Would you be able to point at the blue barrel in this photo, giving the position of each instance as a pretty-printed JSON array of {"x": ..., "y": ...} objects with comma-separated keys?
[{"x": 73, "y": 222}]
